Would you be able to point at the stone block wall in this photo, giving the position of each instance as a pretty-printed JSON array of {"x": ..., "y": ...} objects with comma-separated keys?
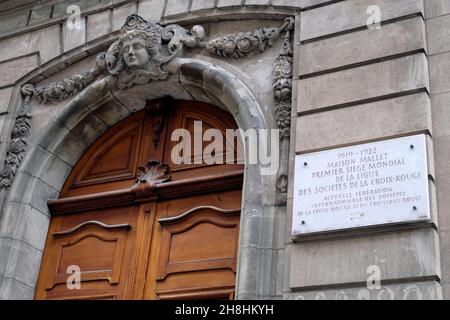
[
  {"x": 358, "y": 84},
  {"x": 437, "y": 17}
]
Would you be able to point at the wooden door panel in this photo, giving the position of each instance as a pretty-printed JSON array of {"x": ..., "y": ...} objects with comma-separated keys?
[
  {"x": 197, "y": 285},
  {"x": 198, "y": 243},
  {"x": 102, "y": 249},
  {"x": 96, "y": 249},
  {"x": 199, "y": 164},
  {"x": 202, "y": 238},
  {"x": 226, "y": 200},
  {"x": 111, "y": 163}
]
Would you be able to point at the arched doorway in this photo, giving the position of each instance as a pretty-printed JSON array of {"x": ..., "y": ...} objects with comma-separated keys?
[{"x": 137, "y": 225}]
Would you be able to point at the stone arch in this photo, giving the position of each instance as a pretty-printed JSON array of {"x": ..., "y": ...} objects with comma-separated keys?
[{"x": 53, "y": 154}]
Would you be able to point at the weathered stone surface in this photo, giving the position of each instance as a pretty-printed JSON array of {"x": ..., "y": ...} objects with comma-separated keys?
[
  {"x": 74, "y": 37},
  {"x": 400, "y": 255},
  {"x": 151, "y": 10},
  {"x": 37, "y": 193},
  {"x": 11, "y": 22},
  {"x": 364, "y": 83},
  {"x": 2, "y": 123},
  {"x": 110, "y": 111},
  {"x": 174, "y": 7},
  {"x": 256, "y": 2},
  {"x": 88, "y": 129},
  {"x": 345, "y": 15},
  {"x": 441, "y": 116},
  {"x": 434, "y": 8},
  {"x": 228, "y": 3},
  {"x": 440, "y": 73},
  {"x": 63, "y": 143},
  {"x": 13, "y": 70},
  {"x": 364, "y": 122},
  {"x": 45, "y": 41},
  {"x": 40, "y": 14},
  {"x": 441, "y": 140},
  {"x": 51, "y": 169},
  {"x": 279, "y": 281},
  {"x": 5, "y": 95},
  {"x": 60, "y": 8},
  {"x": 406, "y": 291},
  {"x": 121, "y": 13},
  {"x": 444, "y": 241},
  {"x": 356, "y": 47},
  {"x": 23, "y": 263},
  {"x": 202, "y": 4},
  {"x": 251, "y": 277},
  {"x": 438, "y": 30},
  {"x": 12, "y": 289},
  {"x": 293, "y": 3},
  {"x": 98, "y": 25},
  {"x": 24, "y": 223}
]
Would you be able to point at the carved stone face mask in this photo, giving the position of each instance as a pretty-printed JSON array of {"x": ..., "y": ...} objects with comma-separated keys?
[{"x": 135, "y": 54}]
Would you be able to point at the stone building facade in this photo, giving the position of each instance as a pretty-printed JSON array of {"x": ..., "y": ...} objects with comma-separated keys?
[{"x": 346, "y": 78}]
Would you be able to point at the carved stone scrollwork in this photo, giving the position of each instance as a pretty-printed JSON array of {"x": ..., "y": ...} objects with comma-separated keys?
[
  {"x": 19, "y": 140},
  {"x": 149, "y": 176}
]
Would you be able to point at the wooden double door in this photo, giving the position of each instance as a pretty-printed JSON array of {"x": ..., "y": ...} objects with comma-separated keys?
[{"x": 133, "y": 224}]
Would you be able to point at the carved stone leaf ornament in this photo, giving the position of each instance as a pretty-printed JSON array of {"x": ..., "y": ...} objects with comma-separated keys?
[{"x": 137, "y": 57}]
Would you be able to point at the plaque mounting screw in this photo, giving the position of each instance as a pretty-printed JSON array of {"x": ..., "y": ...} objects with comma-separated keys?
[
  {"x": 414, "y": 208},
  {"x": 305, "y": 164},
  {"x": 303, "y": 222},
  {"x": 411, "y": 146}
]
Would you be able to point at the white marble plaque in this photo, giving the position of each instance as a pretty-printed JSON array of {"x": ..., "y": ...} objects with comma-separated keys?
[{"x": 371, "y": 184}]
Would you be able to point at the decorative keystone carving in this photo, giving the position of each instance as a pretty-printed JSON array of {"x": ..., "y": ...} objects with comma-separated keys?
[
  {"x": 149, "y": 176},
  {"x": 142, "y": 49}
]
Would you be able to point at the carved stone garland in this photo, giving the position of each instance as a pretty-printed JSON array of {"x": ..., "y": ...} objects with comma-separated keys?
[
  {"x": 138, "y": 57},
  {"x": 282, "y": 91}
]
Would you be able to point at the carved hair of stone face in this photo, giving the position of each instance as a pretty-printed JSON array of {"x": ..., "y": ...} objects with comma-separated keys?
[{"x": 137, "y": 48}]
